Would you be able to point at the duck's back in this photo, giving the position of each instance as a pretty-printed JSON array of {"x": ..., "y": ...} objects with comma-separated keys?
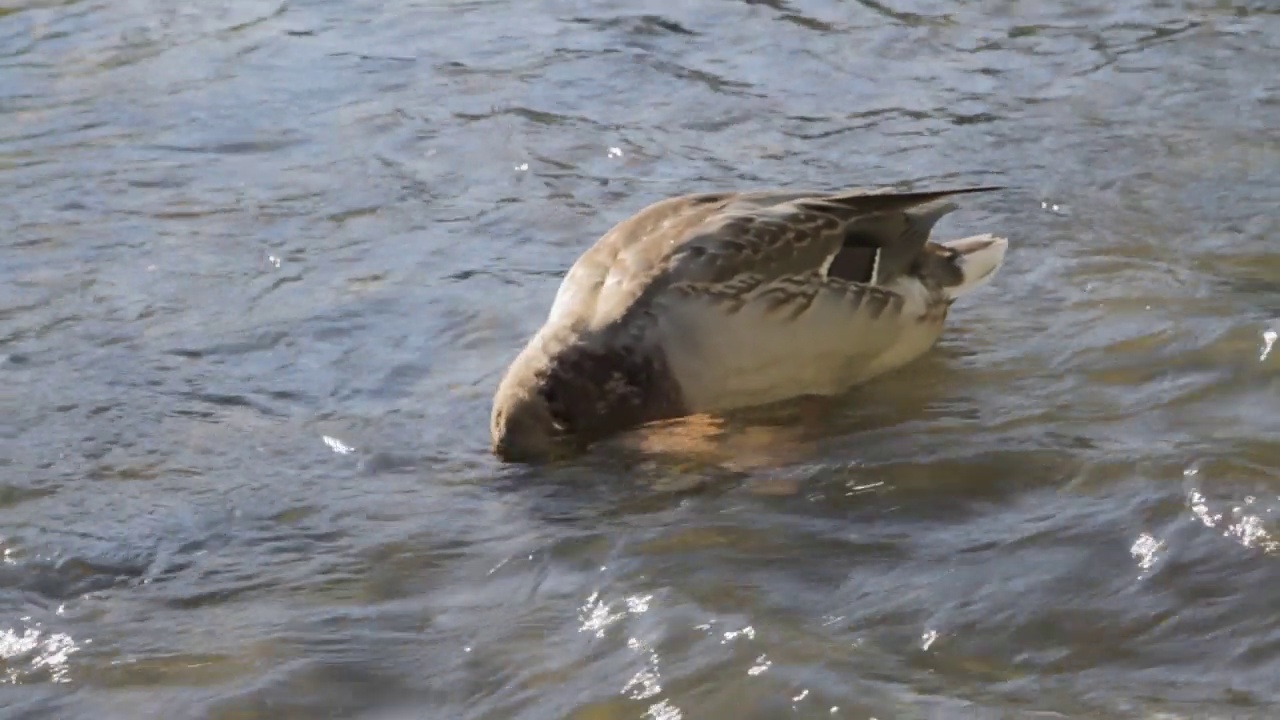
[{"x": 614, "y": 273}]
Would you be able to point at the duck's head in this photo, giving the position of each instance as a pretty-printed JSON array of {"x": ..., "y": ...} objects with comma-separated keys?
[
  {"x": 564, "y": 392},
  {"x": 523, "y": 425},
  {"x": 522, "y": 429}
]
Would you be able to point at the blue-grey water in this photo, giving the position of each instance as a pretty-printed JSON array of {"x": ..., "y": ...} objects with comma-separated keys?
[{"x": 262, "y": 263}]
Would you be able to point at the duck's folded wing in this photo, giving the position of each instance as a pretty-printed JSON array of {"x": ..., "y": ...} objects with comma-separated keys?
[
  {"x": 728, "y": 244},
  {"x": 873, "y": 234}
]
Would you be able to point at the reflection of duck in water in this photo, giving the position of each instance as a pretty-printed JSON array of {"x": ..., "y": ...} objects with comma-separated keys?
[{"x": 705, "y": 303}]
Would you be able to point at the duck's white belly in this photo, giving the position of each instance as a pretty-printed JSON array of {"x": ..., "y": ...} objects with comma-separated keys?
[{"x": 759, "y": 355}]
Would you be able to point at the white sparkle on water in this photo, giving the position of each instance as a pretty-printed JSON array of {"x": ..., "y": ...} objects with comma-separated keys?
[
  {"x": 1144, "y": 550},
  {"x": 638, "y": 603},
  {"x": 928, "y": 638},
  {"x": 748, "y": 631},
  {"x": 595, "y": 616},
  {"x": 36, "y": 650},
  {"x": 1248, "y": 528},
  {"x": 664, "y": 711},
  {"x": 337, "y": 445},
  {"x": 1268, "y": 340}
]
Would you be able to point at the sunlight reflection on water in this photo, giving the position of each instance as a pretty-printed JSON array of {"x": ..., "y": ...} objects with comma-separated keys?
[{"x": 36, "y": 651}]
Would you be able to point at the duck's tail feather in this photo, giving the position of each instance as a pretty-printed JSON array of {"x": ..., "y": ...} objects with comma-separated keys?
[{"x": 979, "y": 259}]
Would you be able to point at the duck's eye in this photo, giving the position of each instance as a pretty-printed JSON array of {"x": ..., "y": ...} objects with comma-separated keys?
[
  {"x": 557, "y": 411},
  {"x": 551, "y": 395}
]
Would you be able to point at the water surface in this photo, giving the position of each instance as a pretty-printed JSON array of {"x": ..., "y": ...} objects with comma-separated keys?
[{"x": 263, "y": 262}]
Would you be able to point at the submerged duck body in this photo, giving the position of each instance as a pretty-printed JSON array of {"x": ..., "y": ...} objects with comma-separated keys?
[{"x": 709, "y": 302}]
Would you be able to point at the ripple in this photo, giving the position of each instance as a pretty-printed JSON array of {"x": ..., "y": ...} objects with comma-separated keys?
[{"x": 266, "y": 261}]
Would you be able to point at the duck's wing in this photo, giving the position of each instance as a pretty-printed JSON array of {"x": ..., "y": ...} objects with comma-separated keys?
[
  {"x": 873, "y": 235},
  {"x": 803, "y": 297},
  {"x": 727, "y": 244}
]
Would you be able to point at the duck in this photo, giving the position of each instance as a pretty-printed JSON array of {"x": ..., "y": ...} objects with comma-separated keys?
[{"x": 715, "y": 301}]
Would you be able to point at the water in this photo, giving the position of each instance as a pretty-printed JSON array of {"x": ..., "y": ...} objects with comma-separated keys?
[{"x": 263, "y": 263}]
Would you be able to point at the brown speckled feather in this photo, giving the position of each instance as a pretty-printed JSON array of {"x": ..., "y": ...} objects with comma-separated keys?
[{"x": 728, "y": 243}]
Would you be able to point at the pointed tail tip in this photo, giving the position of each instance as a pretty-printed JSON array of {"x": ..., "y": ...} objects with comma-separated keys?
[
  {"x": 969, "y": 190},
  {"x": 985, "y": 188},
  {"x": 942, "y": 197}
]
